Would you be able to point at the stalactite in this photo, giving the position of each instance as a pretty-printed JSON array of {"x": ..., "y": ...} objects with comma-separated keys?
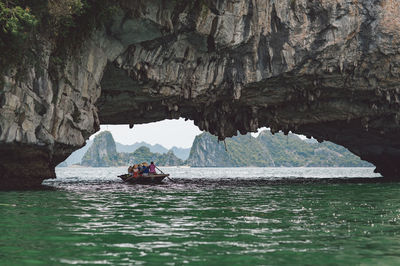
[
  {"x": 378, "y": 92},
  {"x": 374, "y": 108},
  {"x": 396, "y": 99},
  {"x": 200, "y": 124},
  {"x": 397, "y": 119},
  {"x": 365, "y": 123},
  {"x": 237, "y": 91},
  {"x": 388, "y": 98}
]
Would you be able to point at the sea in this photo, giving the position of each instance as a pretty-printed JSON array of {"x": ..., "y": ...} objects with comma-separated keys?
[{"x": 204, "y": 216}]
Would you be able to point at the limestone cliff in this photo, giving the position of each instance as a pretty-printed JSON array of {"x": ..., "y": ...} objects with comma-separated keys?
[
  {"x": 103, "y": 152},
  {"x": 269, "y": 151},
  {"x": 206, "y": 151},
  {"x": 327, "y": 69}
]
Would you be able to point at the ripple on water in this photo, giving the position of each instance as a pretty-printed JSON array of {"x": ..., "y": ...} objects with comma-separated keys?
[{"x": 260, "y": 219}]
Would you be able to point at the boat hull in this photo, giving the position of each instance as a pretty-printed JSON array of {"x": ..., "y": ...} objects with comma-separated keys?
[{"x": 150, "y": 179}]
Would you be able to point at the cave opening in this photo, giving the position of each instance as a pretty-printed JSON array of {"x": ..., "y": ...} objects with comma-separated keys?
[
  {"x": 180, "y": 143},
  {"x": 134, "y": 95},
  {"x": 151, "y": 64}
]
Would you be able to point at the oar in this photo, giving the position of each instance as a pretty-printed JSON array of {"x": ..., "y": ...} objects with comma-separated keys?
[
  {"x": 127, "y": 179},
  {"x": 164, "y": 174}
]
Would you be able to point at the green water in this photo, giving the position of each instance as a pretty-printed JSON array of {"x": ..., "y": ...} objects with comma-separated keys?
[{"x": 179, "y": 223}]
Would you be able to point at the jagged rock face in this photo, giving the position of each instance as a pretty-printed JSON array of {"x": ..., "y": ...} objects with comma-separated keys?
[
  {"x": 207, "y": 152},
  {"x": 327, "y": 69},
  {"x": 45, "y": 117},
  {"x": 103, "y": 152}
]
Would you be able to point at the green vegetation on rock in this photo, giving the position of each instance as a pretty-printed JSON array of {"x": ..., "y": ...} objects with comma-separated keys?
[
  {"x": 65, "y": 23},
  {"x": 268, "y": 150},
  {"x": 16, "y": 25}
]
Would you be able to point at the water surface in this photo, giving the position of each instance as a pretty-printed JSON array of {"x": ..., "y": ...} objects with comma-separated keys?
[{"x": 210, "y": 216}]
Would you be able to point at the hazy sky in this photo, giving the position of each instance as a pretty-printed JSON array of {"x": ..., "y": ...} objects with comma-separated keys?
[{"x": 168, "y": 133}]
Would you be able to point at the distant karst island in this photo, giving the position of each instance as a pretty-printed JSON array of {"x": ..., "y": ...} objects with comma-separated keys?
[{"x": 265, "y": 150}]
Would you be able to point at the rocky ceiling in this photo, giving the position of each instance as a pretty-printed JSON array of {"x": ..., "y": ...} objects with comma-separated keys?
[{"x": 327, "y": 69}]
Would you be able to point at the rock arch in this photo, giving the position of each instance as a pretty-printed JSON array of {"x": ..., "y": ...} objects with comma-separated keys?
[{"x": 324, "y": 69}]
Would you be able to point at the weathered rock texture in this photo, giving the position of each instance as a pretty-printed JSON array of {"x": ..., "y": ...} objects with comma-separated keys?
[{"x": 327, "y": 69}]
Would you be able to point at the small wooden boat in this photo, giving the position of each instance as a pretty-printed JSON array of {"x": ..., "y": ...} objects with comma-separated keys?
[{"x": 150, "y": 179}]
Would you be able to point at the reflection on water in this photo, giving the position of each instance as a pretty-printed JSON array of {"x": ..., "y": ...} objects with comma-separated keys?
[{"x": 238, "y": 216}]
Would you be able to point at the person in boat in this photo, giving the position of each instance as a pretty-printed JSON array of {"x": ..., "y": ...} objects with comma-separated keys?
[
  {"x": 130, "y": 170},
  {"x": 152, "y": 168},
  {"x": 145, "y": 169},
  {"x": 140, "y": 168},
  {"x": 135, "y": 171}
]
